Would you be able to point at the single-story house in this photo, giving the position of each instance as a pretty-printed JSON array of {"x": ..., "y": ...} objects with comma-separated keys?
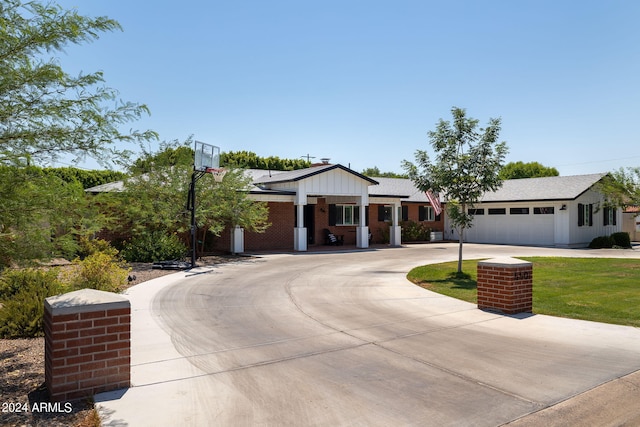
[{"x": 306, "y": 204}]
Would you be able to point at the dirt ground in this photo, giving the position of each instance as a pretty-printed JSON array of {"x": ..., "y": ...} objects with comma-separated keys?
[{"x": 22, "y": 389}]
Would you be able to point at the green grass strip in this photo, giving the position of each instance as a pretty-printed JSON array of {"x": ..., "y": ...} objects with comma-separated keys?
[{"x": 599, "y": 289}]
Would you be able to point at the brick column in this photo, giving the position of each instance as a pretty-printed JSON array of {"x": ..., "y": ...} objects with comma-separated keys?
[
  {"x": 87, "y": 344},
  {"x": 506, "y": 285}
]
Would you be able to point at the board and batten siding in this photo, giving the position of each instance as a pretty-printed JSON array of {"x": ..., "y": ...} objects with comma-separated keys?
[
  {"x": 558, "y": 229},
  {"x": 335, "y": 183}
]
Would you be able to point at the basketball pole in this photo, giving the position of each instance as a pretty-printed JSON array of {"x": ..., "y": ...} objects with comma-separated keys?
[
  {"x": 206, "y": 158},
  {"x": 191, "y": 205}
]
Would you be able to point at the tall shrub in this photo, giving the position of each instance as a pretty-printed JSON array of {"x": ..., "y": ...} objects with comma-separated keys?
[{"x": 22, "y": 295}]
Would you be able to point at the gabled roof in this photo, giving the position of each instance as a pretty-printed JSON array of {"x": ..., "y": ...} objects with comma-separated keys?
[
  {"x": 548, "y": 188},
  {"x": 297, "y": 175}
]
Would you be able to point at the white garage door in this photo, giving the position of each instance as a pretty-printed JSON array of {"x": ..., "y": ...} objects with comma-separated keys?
[{"x": 512, "y": 226}]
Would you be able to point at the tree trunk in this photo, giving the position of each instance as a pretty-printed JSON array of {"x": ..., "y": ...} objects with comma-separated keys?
[
  {"x": 204, "y": 236},
  {"x": 461, "y": 238}
]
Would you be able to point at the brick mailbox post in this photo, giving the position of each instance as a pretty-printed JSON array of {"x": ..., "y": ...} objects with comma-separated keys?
[
  {"x": 87, "y": 344},
  {"x": 505, "y": 285}
]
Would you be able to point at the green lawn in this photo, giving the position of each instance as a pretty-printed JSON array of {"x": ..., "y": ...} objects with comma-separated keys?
[{"x": 599, "y": 289}]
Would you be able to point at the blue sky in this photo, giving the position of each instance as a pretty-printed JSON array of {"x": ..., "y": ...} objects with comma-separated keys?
[{"x": 362, "y": 82}]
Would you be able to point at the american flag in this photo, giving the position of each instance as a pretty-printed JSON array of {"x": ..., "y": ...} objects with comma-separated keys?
[{"x": 435, "y": 202}]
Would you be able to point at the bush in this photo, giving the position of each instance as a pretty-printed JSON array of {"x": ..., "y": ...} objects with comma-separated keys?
[
  {"x": 601, "y": 242},
  {"x": 621, "y": 239},
  {"x": 156, "y": 246},
  {"x": 22, "y": 295},
  {"x": 414, "y": 232},
  {"x": 91, "y": 246},
  {"x": 100, "y": 270}
]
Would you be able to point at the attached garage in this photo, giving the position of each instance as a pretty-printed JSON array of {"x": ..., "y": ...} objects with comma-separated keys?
[{"x": 554, "y": 211}]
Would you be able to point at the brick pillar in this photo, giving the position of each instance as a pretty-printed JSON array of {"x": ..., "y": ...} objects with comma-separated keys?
[
  {"x": 506, "y": 285},
  {"x": 87, "y": 344}
]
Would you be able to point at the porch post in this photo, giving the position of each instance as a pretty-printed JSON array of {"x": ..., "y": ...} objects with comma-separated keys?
[
  {"x": 300, "y": 232},
  {"x": 395, "y": 232},
  {"x": 362, "y": 231},
  {"x": 237, "y": 240}
]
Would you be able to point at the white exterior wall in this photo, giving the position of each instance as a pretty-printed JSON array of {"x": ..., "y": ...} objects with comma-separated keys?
[
  {"x": 557, "y": 229},
  {"x": 582, "y": 236},
  {"x": 512, "y": 229},
  {"x": 335, "y": 182}
]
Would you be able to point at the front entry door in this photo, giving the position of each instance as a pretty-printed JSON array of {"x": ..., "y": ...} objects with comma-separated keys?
[{"x": 310, "y": 223}]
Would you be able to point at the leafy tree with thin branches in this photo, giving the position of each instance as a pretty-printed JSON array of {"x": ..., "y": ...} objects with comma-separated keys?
[
  {"x": 46, "y": 112},
  {"x": 467, "y": 163}
]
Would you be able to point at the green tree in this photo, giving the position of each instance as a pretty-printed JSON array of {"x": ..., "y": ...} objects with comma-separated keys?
[
  {"x": 174, "y": 153},
  {"x": 518, "y": 170},
  {"x": 622, "y": 187},
  {"x": 40, "y": 215},
  {"x": 466, "y": 165},
  {"x": 156, "y": 201},
  {"x": 250, "y": 160},
  {"x": 375, "y": 172},
  {"x": 45, "y": 112}
]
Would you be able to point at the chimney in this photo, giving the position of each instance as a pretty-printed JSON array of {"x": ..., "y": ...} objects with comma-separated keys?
[{"x": 324, "y": 160}]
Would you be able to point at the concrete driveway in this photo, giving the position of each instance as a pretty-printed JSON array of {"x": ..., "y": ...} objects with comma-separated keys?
[{"x": 344, "y": 339}]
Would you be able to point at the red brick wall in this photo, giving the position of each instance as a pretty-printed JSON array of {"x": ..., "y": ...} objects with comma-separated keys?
[
  {"x": 87, "y": 353},
  {"x": 415, "y": 216},
  {"x": 508, "y": 289},
  {"x": 279, "y": 235}
]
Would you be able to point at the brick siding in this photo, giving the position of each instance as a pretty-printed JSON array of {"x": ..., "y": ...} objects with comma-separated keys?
[
  {"x": 87, "y": 352},
  {"x": 508, "y": 289}
]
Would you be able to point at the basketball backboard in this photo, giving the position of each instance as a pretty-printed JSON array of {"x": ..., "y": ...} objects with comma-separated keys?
[{"x": 206, "y": 156}]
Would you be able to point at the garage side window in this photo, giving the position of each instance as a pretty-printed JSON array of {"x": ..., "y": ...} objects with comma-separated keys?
[
  {"x": 609, "y": 216},
  {"x": 543, "y": 211},
  {"x": 585, "y": 215}
]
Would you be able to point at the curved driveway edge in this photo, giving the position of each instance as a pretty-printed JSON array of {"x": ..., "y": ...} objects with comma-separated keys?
[{"x": 345, "y": 339}]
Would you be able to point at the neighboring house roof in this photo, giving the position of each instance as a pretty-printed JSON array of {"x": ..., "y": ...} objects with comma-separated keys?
[
  {"x": 299, "y": 174},
  {"x": 548, "y": 188},
  {"x": 107, "y": 188}
]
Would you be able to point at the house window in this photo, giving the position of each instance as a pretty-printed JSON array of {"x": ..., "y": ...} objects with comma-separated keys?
[
  {"x": 426, "y": 213},
  {"x": 543, "y": 211},
  {"x": 347, "y": 215},
  {"x": 518, "y": 211},
  {"x": 475, "y": 211},
  {"x": 609, "y": 216},
  {"x": 585, "y": 215},
  {"x": 497, "y": 211},
  {"x": 404, "y": 213}
]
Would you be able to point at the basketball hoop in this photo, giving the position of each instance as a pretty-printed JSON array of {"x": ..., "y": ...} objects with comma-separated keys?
[{"x": 218, "y": 173}]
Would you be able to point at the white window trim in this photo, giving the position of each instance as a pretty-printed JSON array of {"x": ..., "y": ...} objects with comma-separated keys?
[
  {"x": 353, "y": 216},
  {"x": 430, "y": 214}
]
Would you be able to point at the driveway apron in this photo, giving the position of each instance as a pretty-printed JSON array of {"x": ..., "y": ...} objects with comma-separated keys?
[{"x": 344, "y": 339}]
